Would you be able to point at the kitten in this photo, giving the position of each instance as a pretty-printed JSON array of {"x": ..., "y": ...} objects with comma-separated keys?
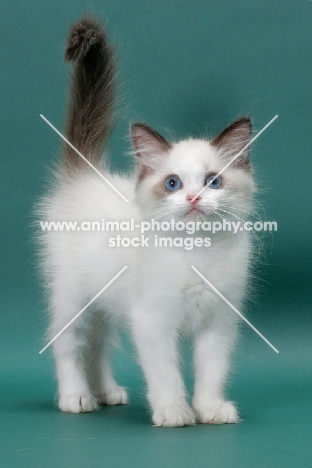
[{"x": 159, "y": 297}]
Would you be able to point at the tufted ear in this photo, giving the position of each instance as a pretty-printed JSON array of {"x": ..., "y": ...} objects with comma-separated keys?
[
  {"x": 233, "y": 139},
  {"x": 150, "y": 148}
]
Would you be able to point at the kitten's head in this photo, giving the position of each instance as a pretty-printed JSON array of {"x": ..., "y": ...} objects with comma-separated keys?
[{"x": 170, "y": 175}]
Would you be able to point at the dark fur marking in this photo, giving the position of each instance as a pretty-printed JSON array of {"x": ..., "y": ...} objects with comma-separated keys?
[
  {"x": 240, "y": 130},
  {"x": 92, "y": 98},
  {"x": 146, "y": 139}
]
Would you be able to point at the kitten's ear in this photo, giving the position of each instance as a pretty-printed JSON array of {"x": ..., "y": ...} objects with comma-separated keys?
[
  {"x": 233, "y": 139},
  {"x": 149, "y": 146}
]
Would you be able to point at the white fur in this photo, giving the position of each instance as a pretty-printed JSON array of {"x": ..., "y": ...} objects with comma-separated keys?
[{"x": 159, "y": 297}]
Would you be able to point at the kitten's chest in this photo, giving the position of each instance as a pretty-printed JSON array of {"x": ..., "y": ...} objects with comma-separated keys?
[
  {"x": 199, "y": 301},
  {"x": 192, "y": 299},
  {"x": 195, "y": 293}
]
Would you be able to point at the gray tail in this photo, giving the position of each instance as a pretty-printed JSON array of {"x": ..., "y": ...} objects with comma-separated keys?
[{"x": 92, "y": 98}]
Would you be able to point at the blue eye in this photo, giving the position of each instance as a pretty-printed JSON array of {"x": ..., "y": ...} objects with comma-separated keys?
[
  {"x": 173, "y": 183},
  {"x": 216, "y": 183}
]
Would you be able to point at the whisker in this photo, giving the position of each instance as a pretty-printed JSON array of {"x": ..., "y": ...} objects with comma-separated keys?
[
  {"x": 260, "y": 244},
  {"x": 245, "y": 211},
  {"x": 260, "y": 204}
]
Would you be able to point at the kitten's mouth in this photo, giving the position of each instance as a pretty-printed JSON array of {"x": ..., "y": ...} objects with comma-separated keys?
[{"x": 195, "y": 211}]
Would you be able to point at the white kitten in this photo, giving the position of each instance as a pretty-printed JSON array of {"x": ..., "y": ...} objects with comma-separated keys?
[{"x": 159, "y": 297}]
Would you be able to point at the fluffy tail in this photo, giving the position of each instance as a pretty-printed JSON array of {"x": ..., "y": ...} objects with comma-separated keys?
[{"x": 90, "y": 114}]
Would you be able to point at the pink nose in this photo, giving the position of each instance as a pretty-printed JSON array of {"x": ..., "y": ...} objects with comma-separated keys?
[{"x": 193, "y": 200}]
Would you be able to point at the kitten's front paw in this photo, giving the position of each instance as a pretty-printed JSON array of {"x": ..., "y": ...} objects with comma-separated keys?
[
  {"x": 216, "y": 412},
  {"x": 76, "y": 403},
  {"x": 174, "y": 415},
  {"x": 113, "y": 396}
]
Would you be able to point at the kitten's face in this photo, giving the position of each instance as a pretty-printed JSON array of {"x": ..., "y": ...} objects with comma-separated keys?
[{"x": 170, "y": 176}]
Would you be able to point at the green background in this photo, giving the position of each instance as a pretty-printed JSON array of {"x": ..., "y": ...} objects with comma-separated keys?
[{"x": 185, "y": 68}]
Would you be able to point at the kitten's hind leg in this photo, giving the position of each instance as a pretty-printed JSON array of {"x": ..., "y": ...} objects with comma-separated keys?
[
  {"x": 69, "y": 350},
  {"x": 103, "y": 339}
]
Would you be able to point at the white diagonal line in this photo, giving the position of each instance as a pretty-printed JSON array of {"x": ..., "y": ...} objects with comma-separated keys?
[
  {"x": 85, "y": 159},
  {"x": 233, "y": 159},
  {"x": 235, "y": 310},
  {"x": 82, "y": 310}
]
